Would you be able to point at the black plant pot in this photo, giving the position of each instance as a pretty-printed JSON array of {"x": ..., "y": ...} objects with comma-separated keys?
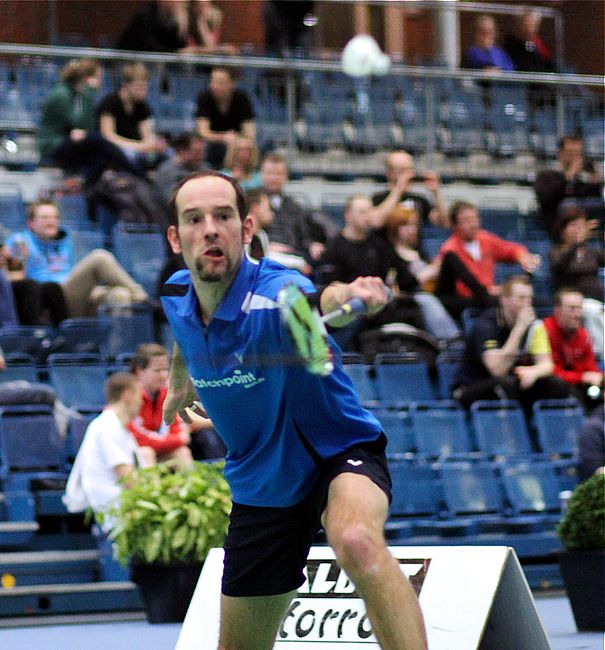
[
  {"x": 166, "y": 589},
  {"x": 584, "y": 577}
]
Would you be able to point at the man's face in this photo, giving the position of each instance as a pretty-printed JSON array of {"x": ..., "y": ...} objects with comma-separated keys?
[
  {"x": 358, "y": 215},
  {"x": 45, "y": 222},
  {"x": 137, "y": 90},
  {"x": 521, "y": 296},
  {"x": 194, "y": 156},
  {"x": 486, "y": 34},
  {"x": 274, "y": 176},
  {"x": 398, "y": 163},
  {"x": 221, "y": 85},
  {"x": 210, "y": 234},
  {"x": 468, "y": 224},
  {"x": 569, "y": 313},
  {"x": 155, "y": 376},
  {"x": 571, "y": 153}
]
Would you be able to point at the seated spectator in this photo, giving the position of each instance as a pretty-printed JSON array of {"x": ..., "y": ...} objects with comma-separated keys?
[
  {"x": 294, "y": 230},
  {"x": 574, "y": 178},
  {"x": 508, "y": 354},
  {"x": 48, "y": 255},
  {"x": 525, "y": 48},
  {"x": 591, "y": 446},
  {"x": 30, "y": 302},
  {"x": 166, "y": 442},
  {"x": 204, "y": 29},
  {"x": 572, "y": 352},
  {"x": 468, "y": 261},
  {"x": 400, "y": 174},
  {"x": 108, "y": 453},
  {"x": 223, "y": 112},
  {"x": 67, "y": 135},
  {"x": 189, "y": 155},
  {"x": 574, "y": 263},
  {"x": 241, "y": 162},
  {"x": 484, "y": 54},
  {"x": 160, "y": 26},
  {"x": 401, "y": 230},
  {"x": 125, "y": 119}
]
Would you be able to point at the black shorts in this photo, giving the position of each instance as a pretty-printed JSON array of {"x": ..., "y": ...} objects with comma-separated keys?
[{"x": 266, "y": 548}]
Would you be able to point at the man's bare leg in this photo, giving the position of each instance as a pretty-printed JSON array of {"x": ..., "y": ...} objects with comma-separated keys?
[
  {"x": 354, "y": 521},
  {"x": 251, "y": 623}
]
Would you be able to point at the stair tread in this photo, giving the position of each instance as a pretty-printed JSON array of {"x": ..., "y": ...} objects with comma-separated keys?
[
  {"x": 83, "y": 587},
  {"x": 20, "y": 557},
  {"x": 18, "y": 526}
]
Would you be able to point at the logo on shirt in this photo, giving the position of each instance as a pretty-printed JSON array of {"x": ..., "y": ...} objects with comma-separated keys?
[
  {"x": 355, "y": 463},
  {"x": 238, "y": 378}
]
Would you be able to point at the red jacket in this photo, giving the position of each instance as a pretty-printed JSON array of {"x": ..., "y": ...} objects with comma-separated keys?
[
  {"x": 572, "y": 352},
  {"x": 492, "y": 249},
  {"x": 150, "y": 430}
]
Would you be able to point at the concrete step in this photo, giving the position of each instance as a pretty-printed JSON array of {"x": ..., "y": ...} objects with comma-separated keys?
[{"x": 48, "y": 567}]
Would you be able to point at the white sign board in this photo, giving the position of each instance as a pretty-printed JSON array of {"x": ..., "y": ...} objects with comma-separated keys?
[{"x": 468, "y": 594}]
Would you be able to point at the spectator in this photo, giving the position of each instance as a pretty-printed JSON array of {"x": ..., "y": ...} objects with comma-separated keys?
[
  {"x": 67, "y": 135},
  {"x": 223, "y": 112},
  {"x": 285, "y": 29},
  {"x": 189, "y": 155},
  {"x": 204, "y": 29},
  {"x": 294, "y": 230},
  {"x": 485, "y": 54},
  {"x": 400, "y": 174},
  {"x": 525, "y": 48},
  {"x": 575, "y": 178},
  {"x": 507, "y": 353},
  {"x": 166, "y": 442},
  {"x": 468, "y": 261},
  {"x": 591, "y": 446},
  {"x": 126, "y": 119},
  {"x": 574, "y": 263},
  {"x": 8, "y": 309},
  {"x": 48, "y": 255},
  {"x": 160, "y": 26},
  {"x": 241, "y": 162},
  {"x": 108, "y": 453},
  {"x": 572, "y": 352}
]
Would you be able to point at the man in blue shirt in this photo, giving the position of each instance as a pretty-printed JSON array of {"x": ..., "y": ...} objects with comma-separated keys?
[
  {"x": 301, "y": 450},
  {"x": 484, "y": 54}
]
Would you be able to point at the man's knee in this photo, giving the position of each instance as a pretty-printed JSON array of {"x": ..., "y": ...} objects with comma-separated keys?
[
  {"x": 100, "y": 257},
  {"x": 359, "y": 549}
]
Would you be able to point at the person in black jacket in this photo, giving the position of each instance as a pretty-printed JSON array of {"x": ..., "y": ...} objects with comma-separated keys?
[{"x": 159, "y": 26}]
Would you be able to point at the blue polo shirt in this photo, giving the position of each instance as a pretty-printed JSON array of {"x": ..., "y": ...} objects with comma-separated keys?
[{"x": 277, "y": 420}]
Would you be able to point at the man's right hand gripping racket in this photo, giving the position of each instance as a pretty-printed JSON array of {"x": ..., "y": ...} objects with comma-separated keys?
[{"x": 308, "y": 328}]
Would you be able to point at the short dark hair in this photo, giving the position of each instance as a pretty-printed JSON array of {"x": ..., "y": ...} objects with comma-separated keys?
[
  {"x": 116, "y": 384},
  {"x": 567, "y": 214},
  {"x": 254, "y": 196},
  {"x": 568, "y": 138},
  {"x": 145, "y": 353},
  {"x": 507, "y": 285},
  {"x": 234, "y": 73},
  {"x": 457, "y": 207},
  {"x": 564, "y": 291},
  {"x": 182, "y": 141},
  {"x": 274, "y": 157},
  {"x": 242, "y": 206}
]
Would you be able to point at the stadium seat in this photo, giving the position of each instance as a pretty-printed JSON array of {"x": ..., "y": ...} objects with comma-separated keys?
[
  {"x": 73, "y": 210},
  {"x": 440, "y": 430},
  {"x": 463, "y": 121},
  {"x": 76, "y": 430},
  {"x": 87, "y": 335},
  {"x": 130, "y": 326},
  {"x": 397, "y": 427},
  {"x": 142, "y": 252},
  {"x": 12, "y": 207},
  {"x": 402, "y": 378},
  {"x": 19, "y": 367},
  {"x": 79, "y": 379},
  {"x": 358, "y": 372},
  {"x": 509, "y": 119},
  {"x": 447, "y": 367},
  {"x": 500, "y": 428},
  {"x": 85, "y": 241},
  {"x": 558, "y": 423},
  {"x": 26, "y": 339}
]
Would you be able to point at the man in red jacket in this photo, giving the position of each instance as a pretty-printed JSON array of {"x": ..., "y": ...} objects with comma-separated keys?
[
  {"x": 571, "y": 347},
  {"x": 151, "y": 367},
  {"x": 468, "y": 261}
]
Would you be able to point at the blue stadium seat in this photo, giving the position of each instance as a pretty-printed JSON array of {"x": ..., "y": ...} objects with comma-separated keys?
[
  {"x": 73, "y": 210},
  {"x": 440, "y": 430},
  {"x": 558, "y": 424},
  {"x": 12, "y": 207},
  {"x": 85, "y": 241},
  {"x": 503, "y": 222},
  {"x": 19, "y": 367},
  {"x": 402, "y": 378},
  {"x": 358, "y": 372},
  {"x": 87, "y": 335},
  {"x": 532, "y": 488},
  {"x": 463, "y": 121},
  {"x": 130, "y": 326},
  {"x": 76, "y": 430},
  {"x": 509, "y": 119},
  {"x": 396, "y": 425},
  {"x": 500, "y": 428},
  {"x": 447, "y": 367},
  {"x": 79, "y": 379},
  {"x": 27, "y": 339},
  {"x": 141, "y": 251}
]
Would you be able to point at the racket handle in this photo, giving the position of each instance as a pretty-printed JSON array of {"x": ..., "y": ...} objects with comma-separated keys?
[{"x": 351, "y": 307}]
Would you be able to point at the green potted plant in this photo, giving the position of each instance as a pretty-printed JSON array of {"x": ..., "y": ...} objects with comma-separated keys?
[
  {"x": 582, "y": 532},
  {"x": 164, "y": 523}
]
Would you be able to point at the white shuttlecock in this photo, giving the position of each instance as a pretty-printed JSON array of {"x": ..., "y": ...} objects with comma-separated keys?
[{"x": 362, "y": 57}]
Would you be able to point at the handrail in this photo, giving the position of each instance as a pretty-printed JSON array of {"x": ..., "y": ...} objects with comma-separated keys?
[{"x": 289, "y": 65}]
